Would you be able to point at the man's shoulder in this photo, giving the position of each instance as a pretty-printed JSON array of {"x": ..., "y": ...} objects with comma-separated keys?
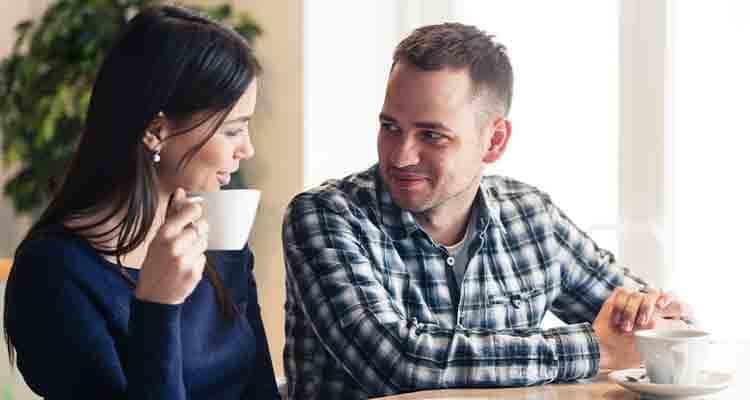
[
  {"x": 505, "y": 188},
  {"x": 510, "y": 199},
  {"x": 353, "y": 191}
]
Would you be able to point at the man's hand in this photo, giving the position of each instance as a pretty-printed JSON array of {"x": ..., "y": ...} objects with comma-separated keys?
[
  {"x": 617, "y": 349},
  {"x": 639, "y": 310},
  {"x": 674, "y": 313}
]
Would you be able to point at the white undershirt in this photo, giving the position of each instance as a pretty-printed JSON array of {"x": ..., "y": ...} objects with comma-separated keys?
[{"x": 459, "y": 252}]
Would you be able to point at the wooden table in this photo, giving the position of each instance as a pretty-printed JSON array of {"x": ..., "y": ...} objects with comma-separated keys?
[{"x": 598, "y": 388}]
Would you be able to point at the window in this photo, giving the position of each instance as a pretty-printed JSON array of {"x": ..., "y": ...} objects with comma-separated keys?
[
  {"x": 711, "y": 80},
  {"x": 347, "y": 60},
  {"x": 629, "y": 113},
  {"x": 565, "y": 107}
]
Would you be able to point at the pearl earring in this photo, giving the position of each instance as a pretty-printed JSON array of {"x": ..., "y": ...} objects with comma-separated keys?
[{"x": 157, "y": 155}]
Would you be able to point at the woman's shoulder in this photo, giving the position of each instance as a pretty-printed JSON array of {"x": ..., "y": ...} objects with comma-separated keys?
[
  {"x": 53, "y": 254},
  {"x": 52, "y": 245}
]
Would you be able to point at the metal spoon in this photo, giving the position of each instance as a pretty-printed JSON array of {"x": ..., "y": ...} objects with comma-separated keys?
[{"x": 684, "y": 319}]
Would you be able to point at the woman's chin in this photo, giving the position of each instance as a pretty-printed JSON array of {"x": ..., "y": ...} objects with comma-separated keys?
[{"x": 211, "y": 187}]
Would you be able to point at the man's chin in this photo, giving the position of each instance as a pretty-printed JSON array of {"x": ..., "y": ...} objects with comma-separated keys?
[
  {"x": 410, "y": 204},
  {"x": 407, "y": 199}
]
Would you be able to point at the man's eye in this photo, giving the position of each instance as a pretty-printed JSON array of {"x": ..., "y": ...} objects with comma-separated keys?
[
  {"x": 432, "y": 136},
  {"x": 389, "y": 127}
]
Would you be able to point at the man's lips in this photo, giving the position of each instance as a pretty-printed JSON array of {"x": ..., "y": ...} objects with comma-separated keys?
[{"x": 407, "y": 180}]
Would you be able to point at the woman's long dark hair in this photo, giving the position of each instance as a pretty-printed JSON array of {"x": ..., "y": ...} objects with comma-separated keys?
[{"x": 167, "y": 59}]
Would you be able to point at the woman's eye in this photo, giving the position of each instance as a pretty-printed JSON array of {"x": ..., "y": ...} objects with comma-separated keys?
[{"x": 235, "y": 132}]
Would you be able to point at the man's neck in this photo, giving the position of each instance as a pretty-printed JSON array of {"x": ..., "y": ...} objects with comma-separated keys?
[{"x": 446, "y": 224}]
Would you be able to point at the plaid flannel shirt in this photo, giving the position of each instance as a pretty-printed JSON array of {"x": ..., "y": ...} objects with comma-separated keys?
[{"x": 373, "y": 308}]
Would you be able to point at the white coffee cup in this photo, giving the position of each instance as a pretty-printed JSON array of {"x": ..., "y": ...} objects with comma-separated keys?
[
  {"x": 230, "y": 215},
  {"x": 673, "y": 356}
]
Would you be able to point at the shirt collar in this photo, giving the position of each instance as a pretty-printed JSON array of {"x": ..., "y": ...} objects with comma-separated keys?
[{"x": 489, "y": 205}]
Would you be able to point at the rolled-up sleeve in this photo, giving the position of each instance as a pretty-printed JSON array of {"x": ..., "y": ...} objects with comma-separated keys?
[{"x": 356, "y": 320}]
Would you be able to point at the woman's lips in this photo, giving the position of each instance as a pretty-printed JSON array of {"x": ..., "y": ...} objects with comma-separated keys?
[{"x": 223, "y": 178}]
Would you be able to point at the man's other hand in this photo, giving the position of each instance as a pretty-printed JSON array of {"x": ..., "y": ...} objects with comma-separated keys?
[{"x": 616, "y": 348}]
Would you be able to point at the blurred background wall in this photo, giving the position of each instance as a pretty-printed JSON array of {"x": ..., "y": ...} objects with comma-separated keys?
[
  {"x": 12, "y": 227},
  {"x": 630, "y": 113}
]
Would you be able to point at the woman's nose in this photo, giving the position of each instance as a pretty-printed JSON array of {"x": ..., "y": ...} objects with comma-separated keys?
[{"x": 245, "y": 149}]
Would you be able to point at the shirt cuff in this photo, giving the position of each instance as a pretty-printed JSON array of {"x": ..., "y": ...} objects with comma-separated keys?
[
  {"x": 576, "y": 351},
  {"x": 156, "y": 316},
  {"x": 154, "y": 329},
  {"x": 154, "y": 359}
]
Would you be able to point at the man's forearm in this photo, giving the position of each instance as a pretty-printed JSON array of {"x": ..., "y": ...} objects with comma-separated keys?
[{"x": 403, "y": 355}]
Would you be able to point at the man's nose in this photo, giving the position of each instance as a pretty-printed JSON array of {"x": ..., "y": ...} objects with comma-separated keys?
[{"x": 405, "y": 152}]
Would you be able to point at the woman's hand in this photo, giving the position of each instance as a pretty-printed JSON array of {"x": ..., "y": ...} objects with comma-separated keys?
[{"x": 174, "y": 261}]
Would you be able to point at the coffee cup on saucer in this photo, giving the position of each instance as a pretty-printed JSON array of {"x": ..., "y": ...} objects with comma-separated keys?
[{"x": 673, "y": 356}]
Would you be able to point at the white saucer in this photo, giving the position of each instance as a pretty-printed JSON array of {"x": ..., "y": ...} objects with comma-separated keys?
[{"x": 708, "y": 382}]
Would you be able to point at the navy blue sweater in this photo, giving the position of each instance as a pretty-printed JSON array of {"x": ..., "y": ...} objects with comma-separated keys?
[{"x": 81, "y": 334}]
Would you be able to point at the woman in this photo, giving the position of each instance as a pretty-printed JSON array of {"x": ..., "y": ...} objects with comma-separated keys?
[{"x": 111, "y": 294}]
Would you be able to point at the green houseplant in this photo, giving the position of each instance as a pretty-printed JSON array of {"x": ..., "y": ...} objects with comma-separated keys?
[{"x": 46, "y": 82}]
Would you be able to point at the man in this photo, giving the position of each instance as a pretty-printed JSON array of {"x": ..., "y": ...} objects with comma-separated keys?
[{"x": 420, "y": 273}]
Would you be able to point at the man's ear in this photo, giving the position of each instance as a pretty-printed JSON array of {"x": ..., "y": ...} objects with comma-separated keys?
[{"x": 500, "y": 136}]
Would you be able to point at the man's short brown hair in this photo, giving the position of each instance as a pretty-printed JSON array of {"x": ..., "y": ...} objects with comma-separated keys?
[{"x": 459, "y": 46}]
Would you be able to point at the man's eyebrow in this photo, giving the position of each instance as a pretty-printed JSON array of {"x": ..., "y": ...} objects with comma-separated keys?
[
  {"x": 384, "y": 116},
  {"x": 437, "y": 126},
  {"x": 243, "y": 118}
]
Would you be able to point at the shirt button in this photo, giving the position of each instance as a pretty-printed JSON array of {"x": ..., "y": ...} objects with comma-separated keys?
[
  {"x": 515, "y": 302},
  {"x": 450, "y": 261}
]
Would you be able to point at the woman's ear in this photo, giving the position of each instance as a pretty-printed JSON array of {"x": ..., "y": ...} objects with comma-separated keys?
[
  {"x": 152, "y": 141},
  {"x": 152, "y": 138},
  {"x": 500, "y": 136}
]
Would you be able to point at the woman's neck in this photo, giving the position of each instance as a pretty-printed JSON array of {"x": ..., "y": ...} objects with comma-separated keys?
[{"x": 107, "y": 231}]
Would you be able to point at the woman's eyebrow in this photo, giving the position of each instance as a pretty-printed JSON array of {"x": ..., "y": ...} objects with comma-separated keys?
[{"x": 243, "y": 118}]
